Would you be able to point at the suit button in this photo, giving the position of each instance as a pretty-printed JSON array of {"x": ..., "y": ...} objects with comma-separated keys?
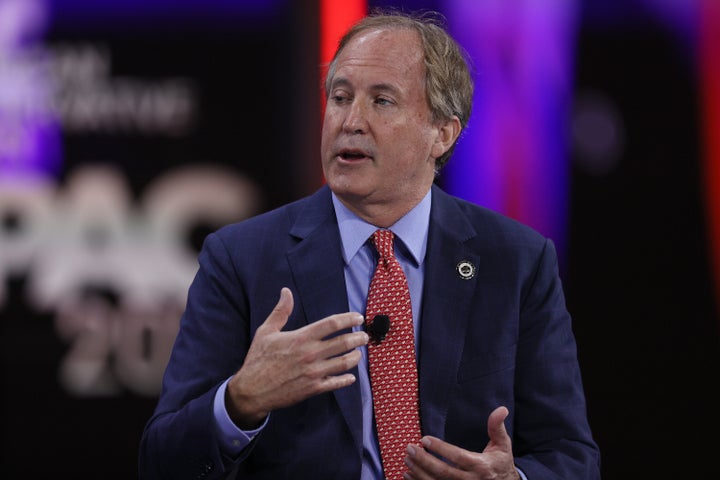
[{"x": 207, "y": 467}]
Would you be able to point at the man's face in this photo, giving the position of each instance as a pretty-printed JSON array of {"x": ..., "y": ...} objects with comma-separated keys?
[{"x": 378, "y": 141}]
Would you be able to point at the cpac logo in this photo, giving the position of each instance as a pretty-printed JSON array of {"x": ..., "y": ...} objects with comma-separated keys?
[{"x": 114, "y": 270}]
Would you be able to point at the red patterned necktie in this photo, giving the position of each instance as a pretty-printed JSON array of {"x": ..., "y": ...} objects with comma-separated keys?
[{"x": 393, "y": 370}]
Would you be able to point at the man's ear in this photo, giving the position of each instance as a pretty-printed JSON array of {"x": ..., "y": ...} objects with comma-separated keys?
[{"x": 448, "y": 132}]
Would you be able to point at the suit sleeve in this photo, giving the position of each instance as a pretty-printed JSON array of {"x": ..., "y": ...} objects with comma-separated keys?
[
  {"x": 180, "y": 441},
  {"x": 552, "y": 437}
]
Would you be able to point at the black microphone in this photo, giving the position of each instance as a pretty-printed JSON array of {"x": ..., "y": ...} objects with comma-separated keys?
[{"x": 378, "y": 327}]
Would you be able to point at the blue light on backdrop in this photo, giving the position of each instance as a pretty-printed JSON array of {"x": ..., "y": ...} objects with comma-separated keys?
[
  {"x": 513, "y": 157},
  {"x": 120, "y": 12}
]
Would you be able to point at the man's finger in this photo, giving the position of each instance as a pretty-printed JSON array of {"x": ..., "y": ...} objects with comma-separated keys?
[
  {"x": 333, "y": 324},
  {"x": 451, "y": 455},
  {"x": 496, "y": 428}
]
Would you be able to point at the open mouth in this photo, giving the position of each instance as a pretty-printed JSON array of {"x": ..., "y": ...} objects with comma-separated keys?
[{"x": 352, "y": 155}]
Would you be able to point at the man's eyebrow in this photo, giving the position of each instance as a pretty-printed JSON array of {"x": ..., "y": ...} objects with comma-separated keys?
[
  {"x": 377, "y": 87},
  {"x": 384, "y": 87},
  {"x": 339, "y": 82}
]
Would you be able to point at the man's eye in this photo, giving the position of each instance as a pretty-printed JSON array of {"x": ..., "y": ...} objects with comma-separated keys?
[
  {"x": 383, "y": 101},
  {"x": 340, "y": 98}
]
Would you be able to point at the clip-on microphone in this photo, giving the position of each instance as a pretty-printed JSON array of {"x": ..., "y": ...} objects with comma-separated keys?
[{"x": 378, "y": 327}]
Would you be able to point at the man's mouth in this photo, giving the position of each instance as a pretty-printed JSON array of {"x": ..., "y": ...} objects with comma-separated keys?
[{"x": 352, "y": 155}]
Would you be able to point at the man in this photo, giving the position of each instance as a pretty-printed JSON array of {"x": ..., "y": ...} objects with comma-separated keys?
[{"x": 263, "y": 388}]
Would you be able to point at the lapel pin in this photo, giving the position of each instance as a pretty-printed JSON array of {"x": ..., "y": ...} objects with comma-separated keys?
[{"x": 466, "y": 270}]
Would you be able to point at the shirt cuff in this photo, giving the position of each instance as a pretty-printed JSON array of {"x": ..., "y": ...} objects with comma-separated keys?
[{"x": 232, "y": 439}]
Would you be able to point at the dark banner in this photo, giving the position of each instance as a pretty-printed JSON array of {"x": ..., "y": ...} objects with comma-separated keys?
[{"x": 128, "y": 131}]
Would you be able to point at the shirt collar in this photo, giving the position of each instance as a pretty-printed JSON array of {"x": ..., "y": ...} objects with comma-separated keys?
[{"x": 412, "y": 229}]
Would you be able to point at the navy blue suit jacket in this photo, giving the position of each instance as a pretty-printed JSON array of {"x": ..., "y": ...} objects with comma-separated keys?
[{"x": 503, "y": 337}]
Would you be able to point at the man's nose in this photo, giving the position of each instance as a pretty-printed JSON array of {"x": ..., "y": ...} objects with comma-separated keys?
[{"x": 356, "y": 119}]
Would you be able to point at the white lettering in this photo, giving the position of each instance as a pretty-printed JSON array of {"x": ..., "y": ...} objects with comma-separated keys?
[{"x": 115, "y": 271}]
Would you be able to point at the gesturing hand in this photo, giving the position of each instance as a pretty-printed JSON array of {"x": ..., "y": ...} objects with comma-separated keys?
[
  {"x": 284, "y": 368},
  {"x": 495, "y": 462}
]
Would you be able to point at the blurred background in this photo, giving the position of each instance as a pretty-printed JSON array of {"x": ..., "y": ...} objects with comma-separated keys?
[{"x": 129, "y": 129}]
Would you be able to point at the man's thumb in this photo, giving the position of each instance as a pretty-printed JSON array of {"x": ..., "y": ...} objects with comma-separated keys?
[
  {"x": 279, "y": 316},
  {"x": 496, "y": 428}
]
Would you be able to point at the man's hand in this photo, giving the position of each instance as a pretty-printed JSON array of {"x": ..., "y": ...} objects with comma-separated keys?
[
  {"x": 284, "y": 368},
  {"x": 495, "y": 462}
]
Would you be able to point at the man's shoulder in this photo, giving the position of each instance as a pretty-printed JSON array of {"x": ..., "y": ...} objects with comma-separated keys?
[
  {"x": 485, "y": 222},
  {"x": 282, "y": 218}
]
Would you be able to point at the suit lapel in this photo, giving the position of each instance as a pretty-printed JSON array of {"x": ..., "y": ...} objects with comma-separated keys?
[
  {"x": 317, "y": 267},
  {"x": 445, "y": 311}
]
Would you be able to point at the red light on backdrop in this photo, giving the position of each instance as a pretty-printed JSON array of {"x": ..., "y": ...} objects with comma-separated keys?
[
  {"x": 710, "y": 78},
  {"x": 335, "y": 18}
]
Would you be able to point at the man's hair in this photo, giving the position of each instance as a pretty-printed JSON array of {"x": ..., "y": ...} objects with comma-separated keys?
[{"x": 448, "y": 83}]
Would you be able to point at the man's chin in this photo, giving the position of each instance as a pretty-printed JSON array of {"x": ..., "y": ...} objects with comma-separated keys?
[{"x": 349, "y": 186}]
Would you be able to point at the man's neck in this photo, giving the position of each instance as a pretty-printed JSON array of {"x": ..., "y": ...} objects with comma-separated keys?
[{"x": 380, "y": 214}]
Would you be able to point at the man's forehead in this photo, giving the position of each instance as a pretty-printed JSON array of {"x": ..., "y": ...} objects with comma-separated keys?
[
  {"x": 395, "y": 51},
  {"x": 384, "y": 43}
]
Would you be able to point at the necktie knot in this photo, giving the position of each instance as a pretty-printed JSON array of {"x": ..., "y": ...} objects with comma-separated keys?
[{"x": 383, "y": 241}]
